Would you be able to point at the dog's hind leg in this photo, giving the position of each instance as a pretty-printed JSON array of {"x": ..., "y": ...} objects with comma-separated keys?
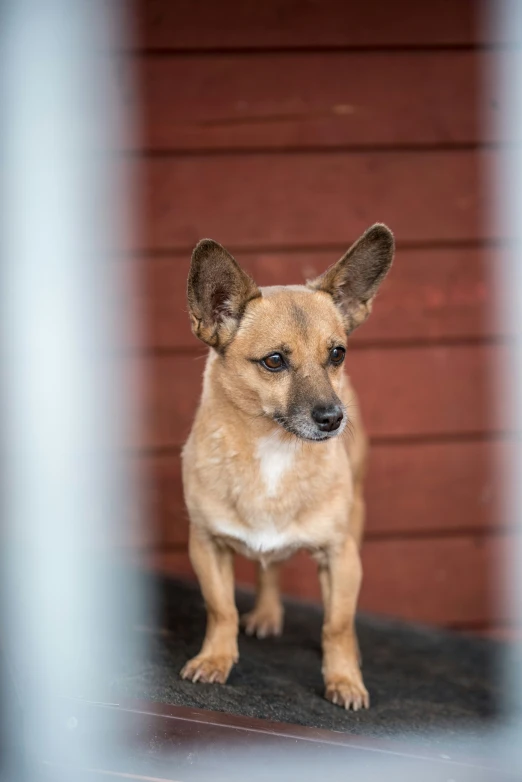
[{"x": 266, "y": 618}]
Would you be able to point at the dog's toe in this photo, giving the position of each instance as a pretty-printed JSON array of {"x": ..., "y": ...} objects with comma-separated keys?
[
  {"x": 211, "y": 669},
  {"x": 263, "y": 623},
  {"x": 349, "y": 693}
]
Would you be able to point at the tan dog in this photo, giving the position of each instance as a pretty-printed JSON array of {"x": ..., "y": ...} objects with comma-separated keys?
[{"x": 265, "y": 470}]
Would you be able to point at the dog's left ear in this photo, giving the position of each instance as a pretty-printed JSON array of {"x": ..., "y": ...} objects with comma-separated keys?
[{"x": 353, "y": 281}]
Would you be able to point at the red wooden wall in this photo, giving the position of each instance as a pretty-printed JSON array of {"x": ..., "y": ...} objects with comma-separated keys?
[{"x": 283, "y": 129}]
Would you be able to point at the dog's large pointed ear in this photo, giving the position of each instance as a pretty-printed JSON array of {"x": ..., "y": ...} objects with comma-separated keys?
[
  {"x": 218, "y": 292},
  {"x": 353, "y": 281}
]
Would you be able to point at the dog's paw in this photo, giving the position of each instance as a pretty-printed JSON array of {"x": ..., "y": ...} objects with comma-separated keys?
[
  {"x": 211, "y": 669},
  {"x": 262, "y": 622},
  {"x": 348, "y": 692}
]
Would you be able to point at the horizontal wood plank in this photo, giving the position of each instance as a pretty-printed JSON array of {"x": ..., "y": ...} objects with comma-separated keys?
[
  {"x": 430, "y": 294},
  {"x": 419, "y": 580},
  {"x": 403, "y": 391},
  {"x": 410, "y": 489},
  {"x": 435, "y": 487},
  {"x": 165, "y": 517},
  {"x": 243, "y": 24},
  {"x": 273, "y": 201},
  {"x": 303, "y": 100}
]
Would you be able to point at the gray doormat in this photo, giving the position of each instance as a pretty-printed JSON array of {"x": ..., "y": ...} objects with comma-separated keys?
[{"x": 421, "y": 681}]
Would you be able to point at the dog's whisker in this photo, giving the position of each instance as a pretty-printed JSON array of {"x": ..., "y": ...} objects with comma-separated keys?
[{"x": 349, "y": 431}]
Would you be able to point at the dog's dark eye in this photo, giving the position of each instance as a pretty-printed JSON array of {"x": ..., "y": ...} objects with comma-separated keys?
[
  {"x": 337, "y": 355},
  {"x": 274, "y": 362}
]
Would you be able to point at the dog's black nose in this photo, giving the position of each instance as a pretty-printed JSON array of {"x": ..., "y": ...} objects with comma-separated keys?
[{"x": 327, "y": 417}]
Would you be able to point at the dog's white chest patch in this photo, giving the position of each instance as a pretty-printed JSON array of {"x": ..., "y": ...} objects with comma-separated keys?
[
  {"x": 276, "y": 456},
  {"x": 257, "y": 540}
]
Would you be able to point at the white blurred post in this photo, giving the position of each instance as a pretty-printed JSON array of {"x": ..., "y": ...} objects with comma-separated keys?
[
  {"x": 62, "y": 419},
  {"x": 505, "y": 20}
]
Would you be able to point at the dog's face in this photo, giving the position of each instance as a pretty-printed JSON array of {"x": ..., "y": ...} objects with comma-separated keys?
[{"x": 282, "y": 349}]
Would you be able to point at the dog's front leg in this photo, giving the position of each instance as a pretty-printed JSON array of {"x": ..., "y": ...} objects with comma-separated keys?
[
  {"x": 215, "y": 570},
  {"x": 341, "y": 574}
]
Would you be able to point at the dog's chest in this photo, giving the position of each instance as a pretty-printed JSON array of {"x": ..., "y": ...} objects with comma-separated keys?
[
  {"x": 268, "y": 480},
  {"x": 268, "y": 499},
  {"x": 263, "y": 540},
  {"x": 274, "y": 457}
]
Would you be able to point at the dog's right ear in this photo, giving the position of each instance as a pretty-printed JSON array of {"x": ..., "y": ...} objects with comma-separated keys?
[{"x": 218, "y": 292}]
